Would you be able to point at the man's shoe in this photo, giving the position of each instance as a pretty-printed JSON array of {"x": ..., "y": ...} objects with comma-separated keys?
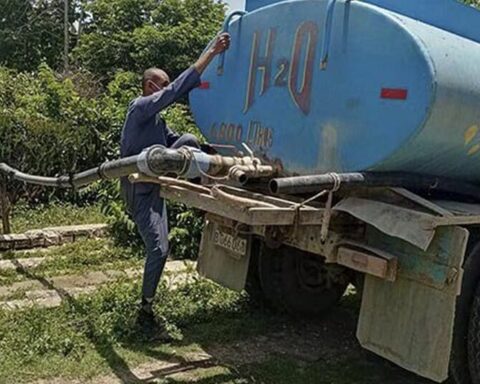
[{"x": 151, "y": 328}]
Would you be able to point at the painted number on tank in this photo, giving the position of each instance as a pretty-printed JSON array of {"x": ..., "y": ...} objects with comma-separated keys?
[
  {"x": 295, "y": 73},
  {"x": 257, "y": 135},
  {"x": 226, "y": 131}
]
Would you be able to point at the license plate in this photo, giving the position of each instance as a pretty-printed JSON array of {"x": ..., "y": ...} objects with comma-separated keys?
[{"x": 237, "y": 245}]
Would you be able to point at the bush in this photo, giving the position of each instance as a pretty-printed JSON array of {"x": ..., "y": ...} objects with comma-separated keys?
[
  {"x": 137, "y": 34},
  {"x": 186, "y": 227},
  {"x": 52, "y": 125},
  {"x": 46, "y": 128}
]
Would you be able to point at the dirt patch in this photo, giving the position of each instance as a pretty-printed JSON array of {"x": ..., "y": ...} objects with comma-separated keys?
[
  {"x": 309, "y": 341},
  {"x": 304, "y": 342}
]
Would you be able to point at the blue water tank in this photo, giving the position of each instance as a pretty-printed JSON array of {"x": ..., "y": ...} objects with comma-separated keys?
[{"x": 317, "y": 86}]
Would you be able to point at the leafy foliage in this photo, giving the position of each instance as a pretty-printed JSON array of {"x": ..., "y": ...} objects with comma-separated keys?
[
  {"x": 475, "y": 3},
  {"x": 186, "y": 227},
  {"x": 31, "y": 32},
  {"x": 107, "y": 35},
  {"x": 136, "y": 34},
  {"x": 46, "y": 127}
]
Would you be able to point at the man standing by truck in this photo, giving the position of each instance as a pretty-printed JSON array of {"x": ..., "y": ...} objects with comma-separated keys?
[{"x": 143, "y": 128}]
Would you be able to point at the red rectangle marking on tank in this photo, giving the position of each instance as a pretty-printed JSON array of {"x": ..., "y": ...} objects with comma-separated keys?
[
  {"x": 204, "y": 85},
  {"x": 394, "y": 93}
]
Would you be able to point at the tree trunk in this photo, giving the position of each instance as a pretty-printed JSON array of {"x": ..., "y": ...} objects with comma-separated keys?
[{"x": 4, "y": 207}]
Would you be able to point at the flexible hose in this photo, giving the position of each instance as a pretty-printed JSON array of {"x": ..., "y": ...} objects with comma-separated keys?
[{"x": 108, "y": 170}]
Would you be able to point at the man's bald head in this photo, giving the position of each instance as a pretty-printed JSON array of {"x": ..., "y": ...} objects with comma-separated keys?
[{"x": 154, "y": 80}]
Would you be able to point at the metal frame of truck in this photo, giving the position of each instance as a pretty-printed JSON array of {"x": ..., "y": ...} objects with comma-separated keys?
[{"x": 414, "y": 254}]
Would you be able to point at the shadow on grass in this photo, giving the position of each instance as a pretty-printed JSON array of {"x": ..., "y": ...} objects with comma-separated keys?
[
  {"x": 250, "y": 347},
  {"x": 281, "y": 350},
  {"x": 103, "y": 347},
  {"x": 175, "y": 364}
]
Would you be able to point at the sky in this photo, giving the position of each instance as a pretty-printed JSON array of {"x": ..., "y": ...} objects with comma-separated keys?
[{"x": 235, "y": 4}]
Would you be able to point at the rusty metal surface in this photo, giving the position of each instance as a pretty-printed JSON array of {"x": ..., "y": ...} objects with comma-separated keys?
[
  {"x": 415, "y": 227},
  {"x": 410, "y": 322},
  {"x": 220, "y": 264},
  {"x": 438, "y": 267}
]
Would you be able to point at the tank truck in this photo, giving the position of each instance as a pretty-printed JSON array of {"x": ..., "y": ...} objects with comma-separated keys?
[{"x": 348, "y": 138}]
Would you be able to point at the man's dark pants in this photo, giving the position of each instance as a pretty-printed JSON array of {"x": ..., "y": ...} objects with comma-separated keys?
[{"x": 150, "y": 215}]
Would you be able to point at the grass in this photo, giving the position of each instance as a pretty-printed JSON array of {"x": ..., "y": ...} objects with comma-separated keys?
[
  {"x": 26, "y": 218},
  {"x": 8, "y": 277},
  {"x": 85, "y": 255},
  {"x": 96, "y": 335}
]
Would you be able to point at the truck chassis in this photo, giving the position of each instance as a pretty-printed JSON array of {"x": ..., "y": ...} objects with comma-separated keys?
[{"x": 413, "y": 256}]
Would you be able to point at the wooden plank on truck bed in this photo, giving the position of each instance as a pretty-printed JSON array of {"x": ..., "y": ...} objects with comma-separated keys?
[{"x": 248, "y": 215}]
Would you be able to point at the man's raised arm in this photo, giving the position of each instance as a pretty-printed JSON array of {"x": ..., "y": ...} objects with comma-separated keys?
[{"x": 188, "y": 80}]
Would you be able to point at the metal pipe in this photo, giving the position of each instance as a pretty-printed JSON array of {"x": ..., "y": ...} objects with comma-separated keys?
[
  {"x": 154, "y": 161},
  {"x": 242, "y": 173},
  {"x": 327, "y": 33},
  {"x": 317, "y": 183},
  {"x": 225, "y": 28}
]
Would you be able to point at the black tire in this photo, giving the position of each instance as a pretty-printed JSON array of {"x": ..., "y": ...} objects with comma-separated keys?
[
  {"x": 459, "y": 362},
  {"x": 300, "y": 283},
  {"x": 253, "y": 285},
  {"x": 473, "y": 340}
]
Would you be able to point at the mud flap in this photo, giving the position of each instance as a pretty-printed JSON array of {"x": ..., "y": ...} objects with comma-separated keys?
[
  {"x": 410, "y": 322},
  {"x": 224, "y": 256}
]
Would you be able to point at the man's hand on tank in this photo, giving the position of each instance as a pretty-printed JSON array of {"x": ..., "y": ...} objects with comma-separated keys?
[{"x": 221, "y": 44}]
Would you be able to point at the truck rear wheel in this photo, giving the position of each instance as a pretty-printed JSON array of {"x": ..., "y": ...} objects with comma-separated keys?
[
  {"x": 298, "y": 282},
  {"x": 465, "y": 359}
]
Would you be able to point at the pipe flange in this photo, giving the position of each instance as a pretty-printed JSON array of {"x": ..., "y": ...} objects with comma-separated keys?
[{"x": 142, "y": 160}]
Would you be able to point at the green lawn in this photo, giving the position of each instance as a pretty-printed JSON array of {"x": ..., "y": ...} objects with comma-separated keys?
[{"x": 25, "y": 217}]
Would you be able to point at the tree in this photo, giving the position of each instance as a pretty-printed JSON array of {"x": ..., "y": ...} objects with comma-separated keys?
[
  {"x": 475, "y": 3},
  {"x": 31, "y": 32},
  {"x": 132, "y": 35}
]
